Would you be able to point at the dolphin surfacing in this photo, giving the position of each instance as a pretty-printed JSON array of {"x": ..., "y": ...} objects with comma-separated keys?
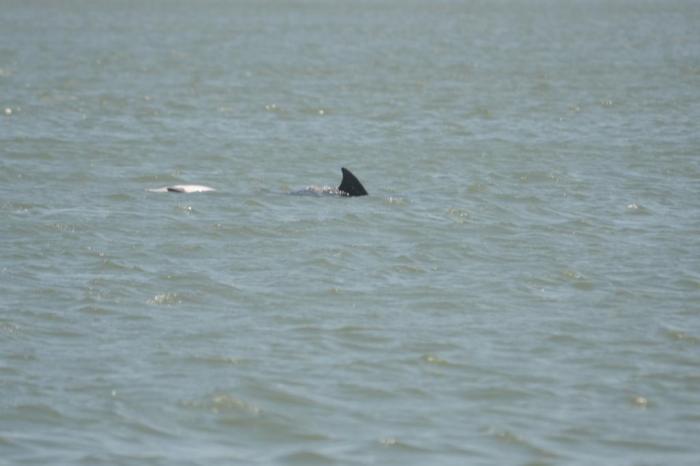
[
  {"x": 350, "y": 185},
  {"x": 183, "y": 188}
]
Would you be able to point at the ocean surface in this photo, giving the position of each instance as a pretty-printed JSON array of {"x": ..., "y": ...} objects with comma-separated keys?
[{"x": 521, "y": 286}]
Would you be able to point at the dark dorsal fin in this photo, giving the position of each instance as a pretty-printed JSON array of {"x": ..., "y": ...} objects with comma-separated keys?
[{"x": 351, "y": 186}]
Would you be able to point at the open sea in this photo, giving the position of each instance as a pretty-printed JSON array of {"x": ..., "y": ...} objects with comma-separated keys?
[{"x": 521, "y": 286}]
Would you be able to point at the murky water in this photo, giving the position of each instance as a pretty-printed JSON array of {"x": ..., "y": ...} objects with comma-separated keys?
[{"x": 522, "y": 285}]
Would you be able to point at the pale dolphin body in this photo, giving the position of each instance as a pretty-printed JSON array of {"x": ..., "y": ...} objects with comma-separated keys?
[{"x": 183, "y": 188}]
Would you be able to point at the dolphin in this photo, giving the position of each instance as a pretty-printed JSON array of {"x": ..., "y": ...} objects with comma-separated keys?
[
  {"x": 350, "y": 186},
  {"x": 183, "y": 188}
]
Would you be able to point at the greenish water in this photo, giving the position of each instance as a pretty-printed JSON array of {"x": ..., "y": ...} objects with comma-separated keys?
[{"x": 522, "y": 285}]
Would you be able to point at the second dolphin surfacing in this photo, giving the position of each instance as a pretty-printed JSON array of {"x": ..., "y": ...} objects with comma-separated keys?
[{"x": 350, "y": 186}]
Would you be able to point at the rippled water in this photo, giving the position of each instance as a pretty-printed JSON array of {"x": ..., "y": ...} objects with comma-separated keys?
[{"x": 522, "y": 285}]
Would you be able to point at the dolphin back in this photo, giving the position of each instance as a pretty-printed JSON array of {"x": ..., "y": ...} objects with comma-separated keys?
[{"x": 350, "y": 185}]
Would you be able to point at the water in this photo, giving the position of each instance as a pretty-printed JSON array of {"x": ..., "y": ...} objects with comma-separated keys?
[{"x": 522, "y": 285}]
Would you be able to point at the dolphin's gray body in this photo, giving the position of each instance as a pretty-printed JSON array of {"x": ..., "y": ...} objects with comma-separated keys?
[{"x": 350, "y": 186}]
